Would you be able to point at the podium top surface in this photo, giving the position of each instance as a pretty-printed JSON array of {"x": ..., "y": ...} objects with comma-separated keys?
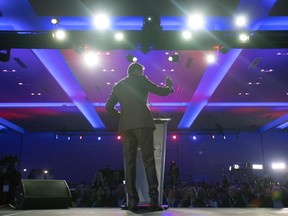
[{"x": 161, "y": 120}]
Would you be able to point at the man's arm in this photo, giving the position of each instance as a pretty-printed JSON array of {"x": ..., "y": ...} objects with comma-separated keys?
[
  {"x": 111, "y": 103},
  {"x": 161, "y": 91}
]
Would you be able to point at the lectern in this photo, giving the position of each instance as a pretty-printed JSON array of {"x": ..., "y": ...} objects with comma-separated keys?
[{"x": 160, "y": 153}]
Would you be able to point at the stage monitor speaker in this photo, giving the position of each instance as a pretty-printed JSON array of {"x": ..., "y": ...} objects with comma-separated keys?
[{"x": 43, "y": 194}]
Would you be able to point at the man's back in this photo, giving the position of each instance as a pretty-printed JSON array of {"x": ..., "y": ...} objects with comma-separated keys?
[{"x": 132, "y": 94}]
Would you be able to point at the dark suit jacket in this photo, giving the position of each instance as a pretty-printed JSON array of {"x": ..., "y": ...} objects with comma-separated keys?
[{"x": 132, "y": 93}]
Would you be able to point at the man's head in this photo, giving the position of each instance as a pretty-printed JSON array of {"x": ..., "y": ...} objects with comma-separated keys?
[{"x": 135, "y": 68}]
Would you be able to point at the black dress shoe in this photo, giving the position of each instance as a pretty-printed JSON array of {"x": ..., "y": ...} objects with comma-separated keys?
[
  {"x": 133, "y": 208},
  {"x": 156, "y": 207}
]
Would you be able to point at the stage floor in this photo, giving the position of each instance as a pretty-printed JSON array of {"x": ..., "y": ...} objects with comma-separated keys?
[{"x": 168, "y": 212}]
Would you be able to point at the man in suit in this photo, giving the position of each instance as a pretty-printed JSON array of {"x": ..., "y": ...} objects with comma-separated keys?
[{"x": 136, "y": 126}]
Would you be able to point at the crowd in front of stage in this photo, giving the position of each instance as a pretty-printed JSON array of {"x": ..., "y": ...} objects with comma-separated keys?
[
  {"x": 251, "y": 191},
  {"x": 107, "y": 189}
]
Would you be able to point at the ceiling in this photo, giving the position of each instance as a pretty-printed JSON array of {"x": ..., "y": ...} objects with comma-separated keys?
[{"x": 46, "y": 87}]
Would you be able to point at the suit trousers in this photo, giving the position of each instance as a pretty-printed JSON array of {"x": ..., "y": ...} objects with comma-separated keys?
[{"x": 144, "y": 138}]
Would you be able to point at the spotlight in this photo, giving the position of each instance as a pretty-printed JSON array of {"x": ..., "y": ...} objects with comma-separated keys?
[
  {"x": 244, "y": 37},
  {"x": 101, "y": 21},
  {"x": 131, "y": 58},
  {"x": 54, "y": 20},
  {"x": 186, "y": 35},
  {"x": 173, "y": 58},
  {"x": 236, "y": 166},
  {"x": 5, "y": 57},
  {"x": 211, "y": 58},
  {"x": 119, "y": 36},
  {"x": 240, "y": 21},
  {"x": 257, "y": 166},
  {"x": 59, "y": 34},
  {"x": 196, "y": 21},
  {"x": 278, "y": 166},
  {"x": 174, "y": 137},
  {"x": 91, "y": 59}
]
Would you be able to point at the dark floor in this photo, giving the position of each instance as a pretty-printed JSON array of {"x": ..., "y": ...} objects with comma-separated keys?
[{"x": 168, "y": 212}]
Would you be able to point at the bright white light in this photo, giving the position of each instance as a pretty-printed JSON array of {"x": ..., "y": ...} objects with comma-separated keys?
[
  {"x": 54, "y": 21},
  {"x": 211, "y": 58},
  {"x": 45, "y": 171},
  {"x": 257, "y": 166},
  {"x": 278, "y": 166},
  {"x": 194, "y": 137},
  {"x": 240, "y": 21},
  {"x": 186, "y": 35},
  {"x": 196, "y": 21},
  {"x": 101, "y": 21},
  {"x": 91, "y": 59},
  {"x": 59, "y": 34},
  {"x": 119, "y": 36},
  {"x": 243, "y": 37},
  {"x": 236, "y": 166}
]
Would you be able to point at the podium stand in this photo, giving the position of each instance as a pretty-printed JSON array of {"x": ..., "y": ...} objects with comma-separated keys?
[{"x": 160, "y": 153}]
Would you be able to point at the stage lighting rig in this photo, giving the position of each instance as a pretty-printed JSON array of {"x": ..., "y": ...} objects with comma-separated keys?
[
  {"x": 173, "y": 58},
  {"x": 150, "y": 29},
  {"x": 152, "y": 23},
  {"x": 5, "y": 56},
  {"x": 131, "y": 58}
]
